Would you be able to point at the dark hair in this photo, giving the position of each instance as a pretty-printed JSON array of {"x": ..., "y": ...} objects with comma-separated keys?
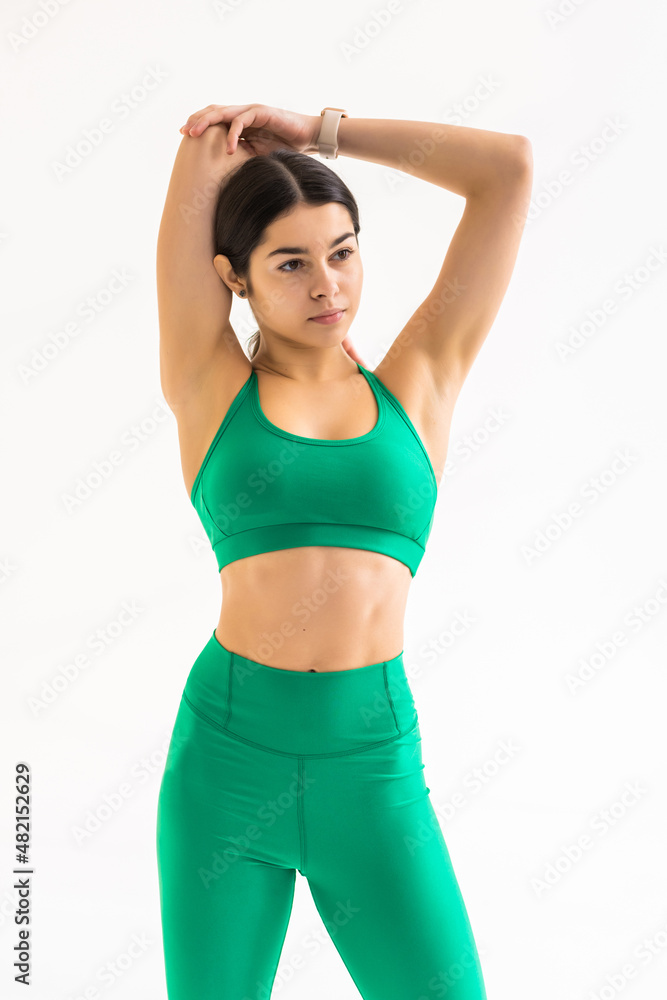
[{"x": 260, "y": 190}]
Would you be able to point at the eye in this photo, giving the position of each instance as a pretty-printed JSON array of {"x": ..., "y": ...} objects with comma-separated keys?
[{"x": 290, "y": 270}]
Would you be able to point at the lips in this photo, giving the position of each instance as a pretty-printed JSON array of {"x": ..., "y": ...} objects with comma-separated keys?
[{"x": 329, "y": 312}]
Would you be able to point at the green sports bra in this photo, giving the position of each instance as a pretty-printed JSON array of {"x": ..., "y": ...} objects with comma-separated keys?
[{"x": 261, "y": 488}]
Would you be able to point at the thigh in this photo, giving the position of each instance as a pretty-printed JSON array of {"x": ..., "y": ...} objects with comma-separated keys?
[
  {"x": 225, "y": 893},
  {"x": 382, "y": 879}
]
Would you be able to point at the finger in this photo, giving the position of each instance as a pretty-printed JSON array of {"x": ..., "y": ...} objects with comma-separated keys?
[
  {"x": 236, "y": 128},
  {"x": 198, "y": 121},
  {"x": 212, "y": 113},
  {"x": 192, "y": 119},
  {"x": 195, "y": 127}
]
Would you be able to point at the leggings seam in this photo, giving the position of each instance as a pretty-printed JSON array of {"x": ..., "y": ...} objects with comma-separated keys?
[
  {"x": 286, "y": 753},
  {"x": 390, "y": 699},
  {"x": 300, "y": 815}
]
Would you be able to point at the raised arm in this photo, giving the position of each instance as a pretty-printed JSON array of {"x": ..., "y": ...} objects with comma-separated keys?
[
  {"x": 194, "y": 305},
  {"x": 493, "y": 172}
]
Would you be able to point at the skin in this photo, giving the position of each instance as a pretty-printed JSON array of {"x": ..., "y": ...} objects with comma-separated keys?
[
  {"x": 283, "y": 294},
  {"x": 314, "y": 607},
  {"x": 309, "y": 385}
]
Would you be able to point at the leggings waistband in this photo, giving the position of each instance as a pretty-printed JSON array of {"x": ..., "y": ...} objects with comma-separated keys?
[{"x": 296, "y": 712}]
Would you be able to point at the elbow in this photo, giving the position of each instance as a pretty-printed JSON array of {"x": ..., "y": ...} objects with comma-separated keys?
[
  {"x": 523, "y": 157},
  {"x": 513, "y": 166},
  {"x": 510, "y": 167}
]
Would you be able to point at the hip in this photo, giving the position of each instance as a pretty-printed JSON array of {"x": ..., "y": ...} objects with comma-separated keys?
[{"x": 300, "y": 713}]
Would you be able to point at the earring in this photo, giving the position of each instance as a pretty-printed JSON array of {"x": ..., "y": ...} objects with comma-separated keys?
[{"x": 242, "y": 292}]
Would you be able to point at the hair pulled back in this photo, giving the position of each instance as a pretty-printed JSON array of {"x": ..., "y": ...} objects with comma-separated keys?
[{"x": 262, "y": 189}]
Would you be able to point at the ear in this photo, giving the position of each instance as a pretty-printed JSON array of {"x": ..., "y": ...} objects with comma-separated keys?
[{"x": 227, "y": 273}]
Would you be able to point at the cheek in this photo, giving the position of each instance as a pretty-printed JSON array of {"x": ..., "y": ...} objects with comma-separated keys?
[
  {"x": 284, "y": 282},
  {"x": 280, "y": 291}
]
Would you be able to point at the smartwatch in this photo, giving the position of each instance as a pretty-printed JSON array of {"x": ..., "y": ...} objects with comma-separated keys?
[{"x": 327, "y": 142}]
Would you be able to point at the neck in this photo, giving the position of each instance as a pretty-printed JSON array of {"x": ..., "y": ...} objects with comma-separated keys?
[{"x": 308, "y": 365}]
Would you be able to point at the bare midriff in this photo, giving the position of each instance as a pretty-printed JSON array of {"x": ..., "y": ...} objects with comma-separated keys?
[{"x": 315, "y": 608}]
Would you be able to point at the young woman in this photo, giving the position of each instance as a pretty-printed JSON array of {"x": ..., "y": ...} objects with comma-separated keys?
[{"x": 296, "y": 745}]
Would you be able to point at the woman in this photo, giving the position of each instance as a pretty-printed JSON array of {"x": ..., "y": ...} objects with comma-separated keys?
[{"x": 296, "y": 746}]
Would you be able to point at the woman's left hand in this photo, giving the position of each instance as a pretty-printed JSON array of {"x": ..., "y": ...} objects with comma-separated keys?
[{"x": 348, "y": 346}]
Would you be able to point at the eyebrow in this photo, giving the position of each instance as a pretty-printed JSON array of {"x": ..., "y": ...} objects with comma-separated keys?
[{"x": 303, "y": 249}]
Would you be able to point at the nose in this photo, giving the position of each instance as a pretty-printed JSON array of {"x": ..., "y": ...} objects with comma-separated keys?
[{"x": 325, "y": 284}]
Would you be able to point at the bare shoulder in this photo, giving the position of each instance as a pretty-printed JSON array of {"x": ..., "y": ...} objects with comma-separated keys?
[
  {"x": 429, "y": 404},
  {"x": 201, "y": 411}
]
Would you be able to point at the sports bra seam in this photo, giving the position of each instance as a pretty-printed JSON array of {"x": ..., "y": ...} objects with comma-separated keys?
[
  {"x": 272, "y": 428},
  {"x": 324, "y": 524},
  {"x": 213, "y": 521},
  {"x": 398, "y": 406},
  {"x": 224, "y": 424},
  {"x": 424, "y": 530},
  {"x": 388, "y": 531}
]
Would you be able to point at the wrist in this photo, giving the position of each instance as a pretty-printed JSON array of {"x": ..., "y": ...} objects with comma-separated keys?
[{"x": 316, "y": 125}]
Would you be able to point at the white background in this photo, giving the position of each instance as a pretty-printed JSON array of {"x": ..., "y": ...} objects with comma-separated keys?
[{"x": 517, "y": 67}]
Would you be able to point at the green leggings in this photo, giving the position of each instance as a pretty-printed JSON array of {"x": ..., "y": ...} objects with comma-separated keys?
[{"x": 273, "y": 771}]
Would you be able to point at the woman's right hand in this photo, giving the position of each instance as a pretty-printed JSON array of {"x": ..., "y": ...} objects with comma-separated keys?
[{"x": 260, "y": 127}]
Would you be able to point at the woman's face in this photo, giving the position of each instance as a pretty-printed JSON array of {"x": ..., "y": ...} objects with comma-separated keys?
[{"x": 308, "y": 263}]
